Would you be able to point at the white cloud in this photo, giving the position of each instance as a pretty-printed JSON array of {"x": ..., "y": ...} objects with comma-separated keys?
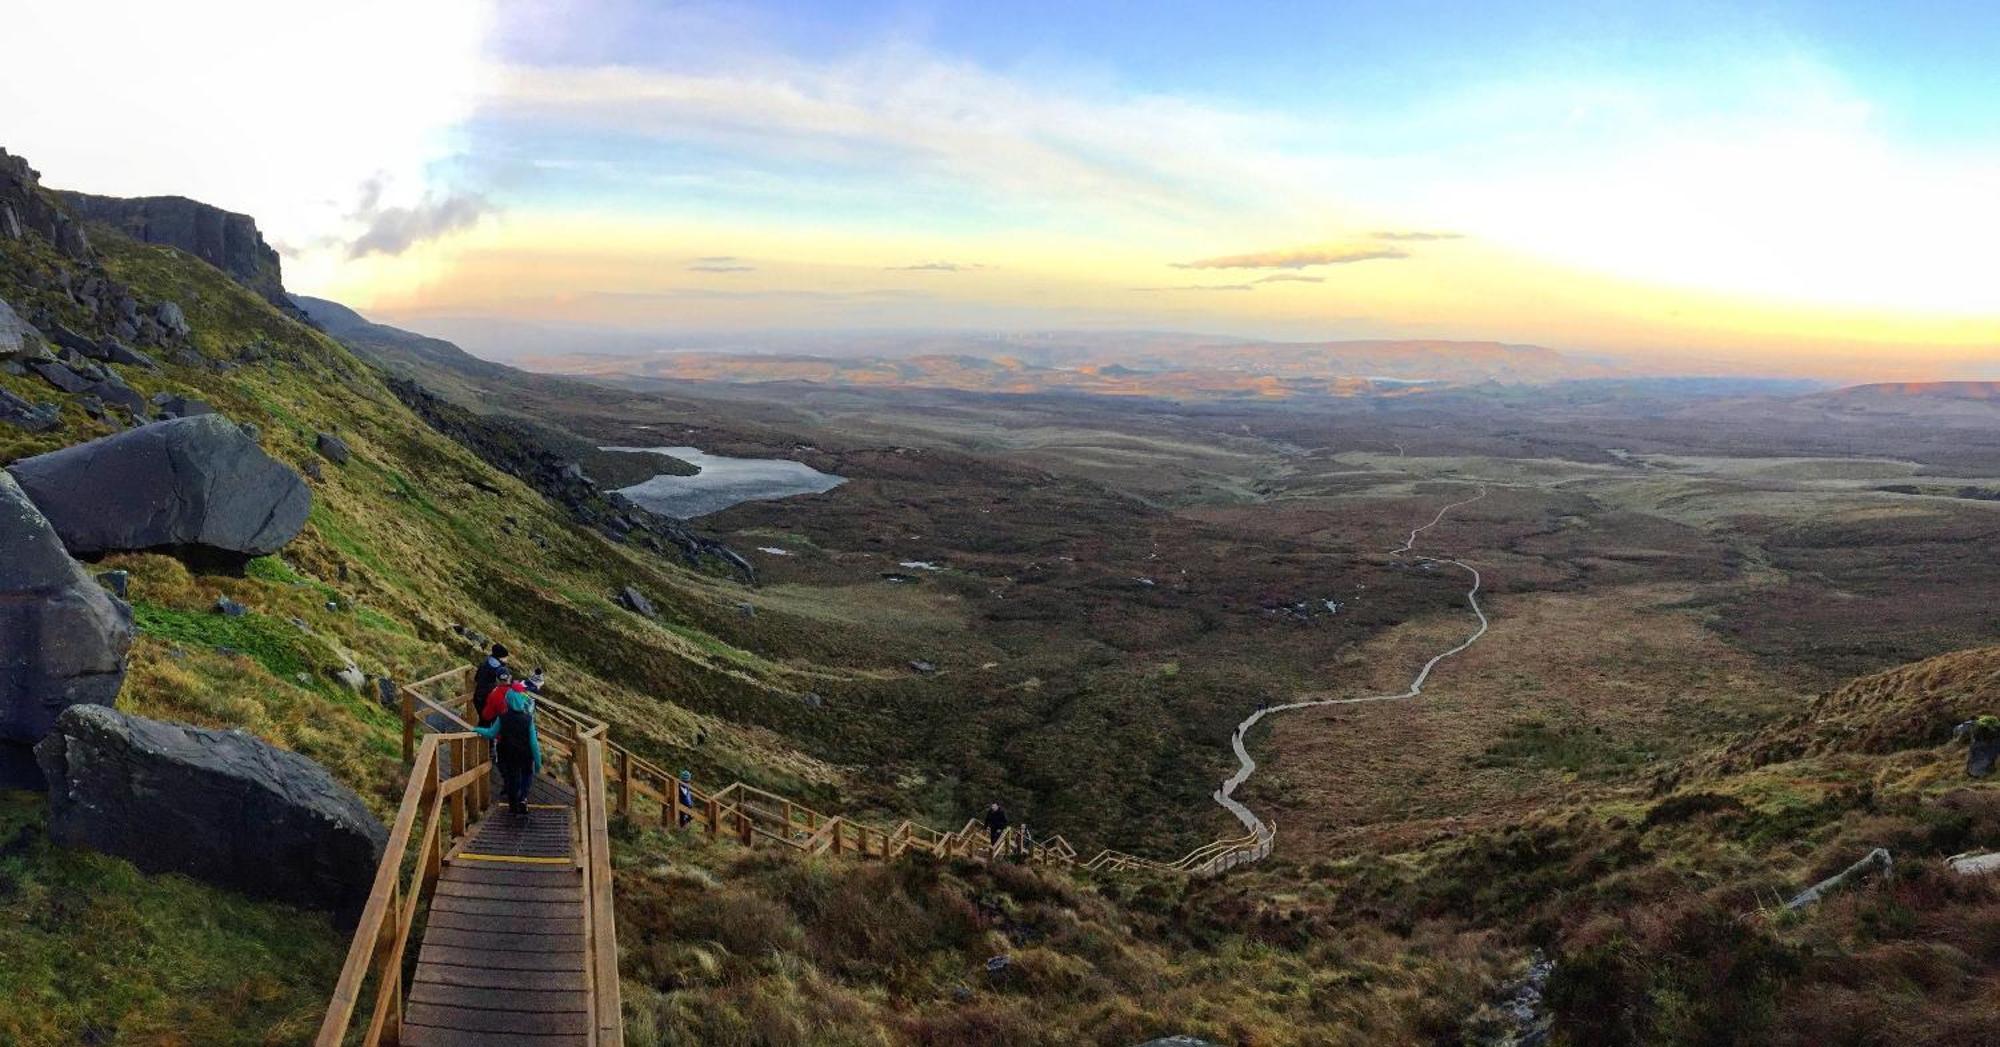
[
  {"x": 282, "y": 111},
  {"x": 909, "y": 114},
  {"x": 393, "y": 230}
]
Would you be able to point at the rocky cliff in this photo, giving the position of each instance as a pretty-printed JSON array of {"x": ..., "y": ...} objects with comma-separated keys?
[
  {"x": 27, "y": 210},
  {"x": 224, "y": 239}
]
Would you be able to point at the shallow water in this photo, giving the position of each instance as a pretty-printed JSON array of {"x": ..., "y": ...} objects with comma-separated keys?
[{"x": 723, "y": 482}]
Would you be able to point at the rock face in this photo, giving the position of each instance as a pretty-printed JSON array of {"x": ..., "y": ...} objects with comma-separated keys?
[
  {"x": 220, "y": 806},
  {"x": 226, "y": 240},
  {"x": 197, "y": 483},
  {"x": 63, "y": 638},
  {"x": 26, "y": 210}
]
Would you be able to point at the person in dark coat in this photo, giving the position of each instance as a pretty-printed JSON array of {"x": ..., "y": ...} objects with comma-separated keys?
[
  {"x": 486, "y": 676},
  {"x": 996, "y": 823}
]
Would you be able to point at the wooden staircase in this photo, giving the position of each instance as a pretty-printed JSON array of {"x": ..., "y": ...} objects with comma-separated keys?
[
  {"x": 519, "y": 946},
  {"x": 503, "y": 960}
]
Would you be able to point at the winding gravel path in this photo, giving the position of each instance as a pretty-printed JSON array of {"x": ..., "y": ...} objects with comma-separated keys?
[{"x": 1226, "y": 795}]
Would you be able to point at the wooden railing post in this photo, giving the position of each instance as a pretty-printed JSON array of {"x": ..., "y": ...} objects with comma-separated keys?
[
  {"x": 625, "y": 781},
  {"x": 409, "y": 727},
  {"x": 458, "y": 818}
]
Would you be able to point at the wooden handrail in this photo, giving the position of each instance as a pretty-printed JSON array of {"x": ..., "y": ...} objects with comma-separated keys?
[
  {"x": 748, "y": 813},
  {"x": 448, "y": 806},
  {"x": 382, "y": 936},
  {"x": 608, "y": 1029}
]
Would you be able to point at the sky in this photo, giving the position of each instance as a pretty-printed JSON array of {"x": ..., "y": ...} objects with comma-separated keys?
[{"x": 1808, "y": 187}]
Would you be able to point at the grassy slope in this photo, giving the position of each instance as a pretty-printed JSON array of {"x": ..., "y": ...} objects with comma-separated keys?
[
  {"x": 1659, "y": 901},
  {"x": 403, "y": 541},
  {"x": 1650, "y": 899}
]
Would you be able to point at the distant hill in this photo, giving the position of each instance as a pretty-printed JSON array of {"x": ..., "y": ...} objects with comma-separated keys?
[
  {"x": 403, "y": 352},
  {"x": 1175, "y": 368},
  {"x": 1890, "y": 391}
]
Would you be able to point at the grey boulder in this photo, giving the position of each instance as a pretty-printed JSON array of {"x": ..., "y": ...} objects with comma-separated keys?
[
  {"x": 59, "y": 376},
  {"x": 24, "y": 415},
  {"x": 118, "y": 352},
  {"x": 220, "y": 806},
  {"x": 171, "y": 318},
  {"x": 173, "y": 406},
  {"x": 114, "y": 391},
  {"x": 63, "y": 638},
  {"x": 636, "y": 602},
  {"x": 333, "y": 447},
  {"x": 18, "y": 338},
  {"x": 198, "y": 482}
]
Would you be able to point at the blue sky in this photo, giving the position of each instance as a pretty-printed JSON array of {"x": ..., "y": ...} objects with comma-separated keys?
[{"x": 1815, "y": 184}]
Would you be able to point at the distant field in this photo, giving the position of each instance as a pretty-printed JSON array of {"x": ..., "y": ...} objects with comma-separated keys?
[{"x": 1122, "y": 578}]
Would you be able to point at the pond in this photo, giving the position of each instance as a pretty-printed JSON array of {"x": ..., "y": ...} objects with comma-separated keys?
[{"x": 723, "y": 482}]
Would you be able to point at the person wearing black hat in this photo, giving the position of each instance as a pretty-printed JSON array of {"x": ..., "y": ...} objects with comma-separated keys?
[
  {"x": 996, "y": 823},
  {"x": 484, "y": 679}
]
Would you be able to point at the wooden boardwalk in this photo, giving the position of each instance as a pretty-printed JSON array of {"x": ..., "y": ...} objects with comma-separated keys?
[{"x": 504, "y": 950}]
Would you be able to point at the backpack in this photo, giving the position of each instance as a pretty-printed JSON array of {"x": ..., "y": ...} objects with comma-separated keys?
[{"x": 517, "y": 729}]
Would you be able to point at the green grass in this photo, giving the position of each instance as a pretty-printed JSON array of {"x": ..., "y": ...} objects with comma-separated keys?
[
  {"x": 273, "y": 569},
  {"x": 98, "y": 952},
  {"x": 374, "y": 619},
  {"x": 278, "y": 646},
  {"x": 1570, "y": 748}
]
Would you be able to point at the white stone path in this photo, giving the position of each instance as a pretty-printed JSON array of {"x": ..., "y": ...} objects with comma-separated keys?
[{"x": 1226, "y": 795}]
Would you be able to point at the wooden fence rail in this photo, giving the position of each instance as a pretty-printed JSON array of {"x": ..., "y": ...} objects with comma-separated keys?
[
  {"x": 747, "y": 814},
  {"x": 450, "y": 789}
]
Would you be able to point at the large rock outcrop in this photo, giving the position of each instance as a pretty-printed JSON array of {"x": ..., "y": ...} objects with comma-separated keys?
[
  {"x": 63, "y": 638},
  {"x": 26, "y": 210},
  {"x": 198, "y": 484},
  {"x": 219, "y": 806},
  {"x": 224, "y": 239}
]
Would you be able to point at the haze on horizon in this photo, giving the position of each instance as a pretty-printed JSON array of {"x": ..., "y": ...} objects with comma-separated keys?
[{"x": 1789, "y": 187}]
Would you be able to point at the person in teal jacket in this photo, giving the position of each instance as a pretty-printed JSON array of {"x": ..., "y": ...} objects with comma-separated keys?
[{"x": 518, "y": 748}]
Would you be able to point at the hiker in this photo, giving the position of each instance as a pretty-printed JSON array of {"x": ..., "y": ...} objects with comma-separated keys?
[
  {"x": 685, "y": 789},
  {"x": 518, "y": 747},
  {"x": 535, "y": 681},
  {"x": 996, "y": 823},
  {"x": 494, "y": 703},
  {"x": 496, "y": 700},
  {"x": 488, "y": 673}
]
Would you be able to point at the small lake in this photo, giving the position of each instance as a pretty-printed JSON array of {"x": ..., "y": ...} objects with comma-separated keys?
[{"x": 723, "y": 482}]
